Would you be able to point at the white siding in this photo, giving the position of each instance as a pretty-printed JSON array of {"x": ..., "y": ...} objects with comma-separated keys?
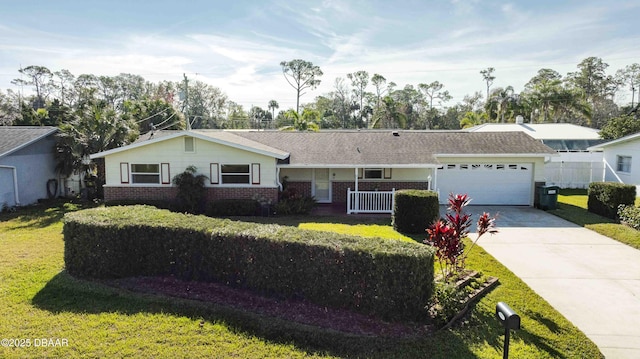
[
  {"x": 173, "y": 152},
  {"x": 631, "y": 149}
]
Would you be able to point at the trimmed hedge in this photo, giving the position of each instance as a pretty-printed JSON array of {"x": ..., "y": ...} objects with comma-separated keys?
[
  {"x": 389, "y": 279},
  {"x": 414, "y": 210},
  {"x": 233, "y": 207},
  {"x": 629, "y": 215},
  {"x": 162, "y": 204},
  {"x": 295, "y": 205},
  {"x": 604, "y": 198}
]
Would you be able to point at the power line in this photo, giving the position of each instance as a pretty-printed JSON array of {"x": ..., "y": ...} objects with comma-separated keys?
[{"x": 144, "y": 119}]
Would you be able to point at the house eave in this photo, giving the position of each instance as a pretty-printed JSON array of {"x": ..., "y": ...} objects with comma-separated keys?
[
  {"x": 360, "y": 165},
  {"x": 277, "y": 155},
  {"x": 29, "y": 143},
  {"x": 495, "y": 155},
  {"x": 600, "y": 147}
]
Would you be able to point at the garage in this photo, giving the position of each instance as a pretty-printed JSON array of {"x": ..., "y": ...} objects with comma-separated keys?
[{"x": 487, "y": 184}]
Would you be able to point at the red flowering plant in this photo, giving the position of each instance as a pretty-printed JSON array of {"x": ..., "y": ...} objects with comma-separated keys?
[{"x": 447, "y": 235}]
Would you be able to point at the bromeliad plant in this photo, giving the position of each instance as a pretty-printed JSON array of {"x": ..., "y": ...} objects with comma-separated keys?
[{"x": 447, "y": 235}]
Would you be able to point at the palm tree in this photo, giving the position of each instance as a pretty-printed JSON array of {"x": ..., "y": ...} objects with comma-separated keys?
[
  {"x": 388, "y": 115},
  {"x": 302, "y": 122},
  {"x": 473, "y": 118},
  {"x": 94, "y": 130},
  {"x": 502, "y": 98},
  {"x": 273, "y": 105}
]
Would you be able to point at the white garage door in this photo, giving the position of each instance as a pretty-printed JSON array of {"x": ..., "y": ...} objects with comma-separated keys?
[{"x": 497, "y": 184}]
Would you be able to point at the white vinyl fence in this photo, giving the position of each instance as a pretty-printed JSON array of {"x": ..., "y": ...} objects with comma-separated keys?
[
  {"x": 573, "y": 174},
  {"x": 369, "y": 201}
]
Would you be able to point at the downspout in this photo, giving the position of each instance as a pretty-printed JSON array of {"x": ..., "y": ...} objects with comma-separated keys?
[
  {"x": 278, "y": 178},
  {"x": 15, "y": 183}
]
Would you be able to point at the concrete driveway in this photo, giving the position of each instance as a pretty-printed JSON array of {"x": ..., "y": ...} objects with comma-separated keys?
[{"x": 591, "y": 279}]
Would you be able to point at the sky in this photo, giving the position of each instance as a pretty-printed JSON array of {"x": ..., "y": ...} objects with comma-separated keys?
[{"x": 238, "y": 45}]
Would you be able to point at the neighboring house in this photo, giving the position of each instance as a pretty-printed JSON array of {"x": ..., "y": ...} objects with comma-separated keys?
[
  {"x": 493, "y": 168},
  {"x": 576, "y": 166},
  {"x": 27, "y": 164},
  {"x": 621, "y": 160}
]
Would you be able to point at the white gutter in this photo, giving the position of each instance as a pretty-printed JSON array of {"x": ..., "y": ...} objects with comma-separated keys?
[{"x": 15, "y": 183}]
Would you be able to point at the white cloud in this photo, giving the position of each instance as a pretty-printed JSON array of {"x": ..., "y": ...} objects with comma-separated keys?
[{"x": 462, "y": 38}]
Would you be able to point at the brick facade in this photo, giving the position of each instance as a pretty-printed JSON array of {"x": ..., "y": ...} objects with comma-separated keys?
[
  {"x": 301, "y": 188},
  {"x": 169, "y": 193},
  {"x": 339, "y": 189},
  {"x": 215, "y": 193},
  {"x": 139, "y": 193}
]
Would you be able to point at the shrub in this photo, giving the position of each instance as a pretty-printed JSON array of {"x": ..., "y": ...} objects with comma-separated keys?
[
  {"x": 191, "y": 190},
  {"x": 233, "y": 207},
  {"x": 629, "y": 215},
  {"x": 414, "y": 210},
  {"x": 161, "y": 204},
  {"x": 295, "y": 205},
  {"x": 291, "y": 202},
  {"x": 604, "y": 198},
  {"x": 386, "y": 278},
  {"x": 446, "y": 235}
]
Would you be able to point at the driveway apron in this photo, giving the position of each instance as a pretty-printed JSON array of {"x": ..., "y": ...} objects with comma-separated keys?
[{"x": 591, "y": 279}]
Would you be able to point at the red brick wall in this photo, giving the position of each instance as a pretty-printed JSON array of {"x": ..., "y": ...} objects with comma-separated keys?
[
  {"x": 339, "y": 189},
  {"x": 301, "y": 188},
  {"x": 304, "y": 188},
  {"x": 139, "y": 193},
  {"x": 214, "y": 193},
  {"x": 169, "y": 193}
]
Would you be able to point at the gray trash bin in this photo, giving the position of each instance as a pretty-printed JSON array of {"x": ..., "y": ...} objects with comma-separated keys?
[{"x": 548, "y": 197}]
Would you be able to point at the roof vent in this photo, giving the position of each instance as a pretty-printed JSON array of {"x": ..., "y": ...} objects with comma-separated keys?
[
  {"x": 519, "y": 120},
  {"x": 395, "y": 133}
]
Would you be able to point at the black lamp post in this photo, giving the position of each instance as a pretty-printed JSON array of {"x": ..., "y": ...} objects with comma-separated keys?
[{"x": 509, "y": 320}]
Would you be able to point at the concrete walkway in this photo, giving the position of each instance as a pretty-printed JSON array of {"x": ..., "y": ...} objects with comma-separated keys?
[{"x": 591, "y": 279}]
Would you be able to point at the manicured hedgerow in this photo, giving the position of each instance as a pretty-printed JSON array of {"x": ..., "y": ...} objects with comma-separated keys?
[
  {"x": 390, "y": 279},
  {"x": 604, "y": 198},
  {"x": 414, "y": 210}
]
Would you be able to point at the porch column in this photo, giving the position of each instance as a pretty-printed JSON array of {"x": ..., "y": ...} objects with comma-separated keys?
[
  {"x": 435, "y": 179},
  {"x": 356, "y": 175},
  {"x": 357, "y": 195}
]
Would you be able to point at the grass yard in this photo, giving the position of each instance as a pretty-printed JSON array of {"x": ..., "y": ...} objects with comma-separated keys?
[
  {"x": 572, "y": 206},
  {"x": 38, "y": 300}
]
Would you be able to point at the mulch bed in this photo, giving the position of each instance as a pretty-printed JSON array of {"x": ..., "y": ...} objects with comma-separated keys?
[{"x": 291, "y": 310}]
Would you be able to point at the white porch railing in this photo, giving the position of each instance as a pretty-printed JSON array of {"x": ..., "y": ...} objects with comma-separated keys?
[{"x": 369, "y": 201}]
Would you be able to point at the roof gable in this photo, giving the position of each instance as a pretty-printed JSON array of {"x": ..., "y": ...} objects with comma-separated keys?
[
  {"x": 215, "y": 136},
  {"x": 13, "y": 138}
]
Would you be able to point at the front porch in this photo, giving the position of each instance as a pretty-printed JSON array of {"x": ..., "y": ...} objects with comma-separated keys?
[{"x": 359, "y": 190}]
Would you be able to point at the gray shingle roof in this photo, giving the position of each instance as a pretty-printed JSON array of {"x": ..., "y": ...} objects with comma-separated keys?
[
  {"x": 383, "y": 148},
  {"x": 13, "y": 138}
]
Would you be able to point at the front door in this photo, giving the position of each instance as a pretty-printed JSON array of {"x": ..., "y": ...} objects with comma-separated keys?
[{"x": 321, "y": 185}]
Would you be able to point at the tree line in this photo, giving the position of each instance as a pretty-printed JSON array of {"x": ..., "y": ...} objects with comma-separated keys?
[
  {"x": 584, "y": 97},
  {"x": 97, "y": 113}
]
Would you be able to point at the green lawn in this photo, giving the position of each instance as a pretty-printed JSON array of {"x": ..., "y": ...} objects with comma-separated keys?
[
  {"x": 39, "y": 300},
  {"x": 572, "y": 206}
]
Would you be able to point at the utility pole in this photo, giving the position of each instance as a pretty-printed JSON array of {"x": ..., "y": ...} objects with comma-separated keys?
[{"x": 186, "y": 101}]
